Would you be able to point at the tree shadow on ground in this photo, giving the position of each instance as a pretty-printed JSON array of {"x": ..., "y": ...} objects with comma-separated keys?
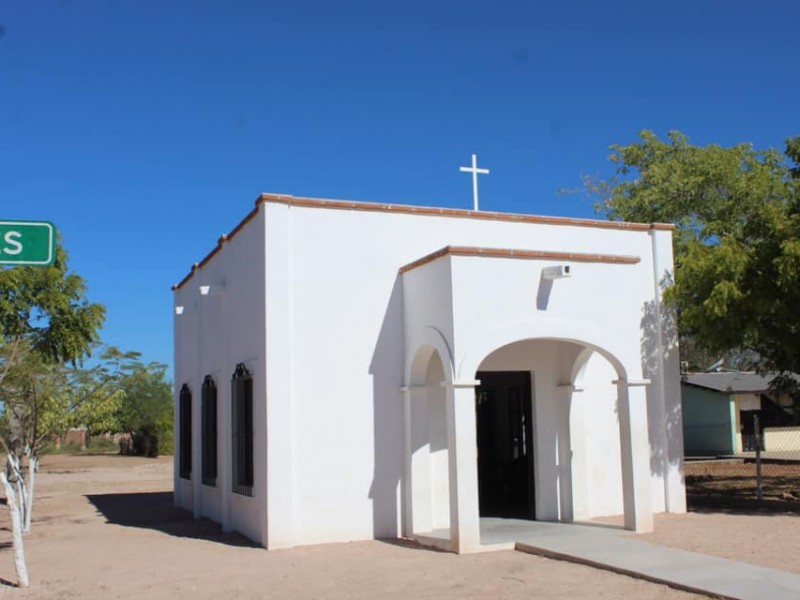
[{"x": 155, "y": 510}]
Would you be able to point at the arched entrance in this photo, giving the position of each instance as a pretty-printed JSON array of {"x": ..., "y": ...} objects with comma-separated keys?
[
  {"x": 545, "y": 468},
  {"x": 548, "y": 432}
]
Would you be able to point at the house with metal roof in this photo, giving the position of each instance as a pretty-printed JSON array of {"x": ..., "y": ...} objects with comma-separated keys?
[{"x": 721, "y": 409}]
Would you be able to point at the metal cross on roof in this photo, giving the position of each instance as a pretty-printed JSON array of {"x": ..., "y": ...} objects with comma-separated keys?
[{"x": 475, "y": 170}]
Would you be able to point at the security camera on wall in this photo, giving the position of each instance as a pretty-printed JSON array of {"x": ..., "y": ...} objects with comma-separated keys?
[{"x": 557, "y": 272}]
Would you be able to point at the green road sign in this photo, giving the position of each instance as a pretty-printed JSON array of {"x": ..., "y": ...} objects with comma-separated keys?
[{"x": 27, "y": 243}]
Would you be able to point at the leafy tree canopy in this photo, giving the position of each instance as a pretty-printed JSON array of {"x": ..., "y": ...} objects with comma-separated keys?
[
  {"x": 45, "y": 322},
  {"x": 47, "y": 306},
  {"x": 737, "y": 238},
  {"x": 146, "y": 411}
]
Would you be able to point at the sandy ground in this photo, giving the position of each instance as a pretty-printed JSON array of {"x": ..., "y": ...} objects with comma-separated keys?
[
  {"x": 104, "y": 526},
  {"x": 770, "y": 540}
]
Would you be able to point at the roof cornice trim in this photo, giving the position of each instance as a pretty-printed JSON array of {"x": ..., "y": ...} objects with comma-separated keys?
[
  {"x": 459, "y": 213},
  {"x": 614, "y": 259}
]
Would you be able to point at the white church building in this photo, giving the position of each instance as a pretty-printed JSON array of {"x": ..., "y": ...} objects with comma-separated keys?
[{"x": 351, "y": 371}]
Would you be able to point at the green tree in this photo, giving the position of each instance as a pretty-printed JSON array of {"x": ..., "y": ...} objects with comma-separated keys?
[
  {"x": 47, "y": 306},
  {"x": 146, "y": 412},
  {"x": 793, "y": 152},
  {"x": 97, "y": 393},
  {"x": 45, "y": 322},
  {"x": 737, "y": 238}
]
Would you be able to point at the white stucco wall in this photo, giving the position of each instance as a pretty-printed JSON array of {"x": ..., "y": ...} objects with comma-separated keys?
[
  {"x": 212, "y": 335},
  {"x": 661, "y": 364},
  {"x": 437, "y": 446},
  {"x": 587, "y": 306},
  {"x": 782, "y": 439},
  {"x": 596, "y": 406},
  {"x": 336, "y": 346}
]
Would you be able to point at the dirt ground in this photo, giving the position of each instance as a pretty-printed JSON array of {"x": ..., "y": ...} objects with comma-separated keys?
[
  {"x": 104, "y": 526},
  {"x": 769, "y": 539},
  {"x": 732, "y": 481}
]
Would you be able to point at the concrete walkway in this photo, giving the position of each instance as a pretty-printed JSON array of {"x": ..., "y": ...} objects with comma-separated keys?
[{"x": 619, "y": 551}]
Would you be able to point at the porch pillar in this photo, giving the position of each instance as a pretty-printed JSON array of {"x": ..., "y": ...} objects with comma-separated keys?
[
  {"x": 635, "y": 450},
  {"x": 566, "y": 455},
  {"x": 408, "y": 485},
  {"x": 417, "y": 499},
  {"x": 462, "y": 447}
]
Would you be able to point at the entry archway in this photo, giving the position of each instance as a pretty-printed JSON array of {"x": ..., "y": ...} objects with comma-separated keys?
[
  {"x": 589, "y": 444},
  {"x": 441, "y": 479}
]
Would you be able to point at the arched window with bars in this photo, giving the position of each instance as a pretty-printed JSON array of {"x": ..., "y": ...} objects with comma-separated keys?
[
  {"x": 242, "y": 430},
  {"x": 185, "y": 423}
]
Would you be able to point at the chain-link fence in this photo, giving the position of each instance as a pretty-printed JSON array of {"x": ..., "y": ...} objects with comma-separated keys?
[{"x": 767, "y": 472}]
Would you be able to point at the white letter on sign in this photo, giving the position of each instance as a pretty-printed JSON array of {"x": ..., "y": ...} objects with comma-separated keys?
[{"x": 12, "y": 239}]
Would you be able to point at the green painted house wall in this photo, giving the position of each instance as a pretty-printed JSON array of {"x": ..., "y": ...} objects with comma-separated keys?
[{"x": 709, "y": 422}]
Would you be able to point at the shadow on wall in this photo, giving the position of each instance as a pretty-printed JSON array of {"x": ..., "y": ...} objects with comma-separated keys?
[
  {"x": 543, "y": 294},
  {"x": 156, "y": 510},
  {"x": 386, "y": 369},
  {"x": 671, "y": 429}
]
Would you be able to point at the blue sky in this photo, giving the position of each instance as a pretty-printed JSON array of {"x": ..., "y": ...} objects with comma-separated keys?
[{"x": 145, "y": 129}]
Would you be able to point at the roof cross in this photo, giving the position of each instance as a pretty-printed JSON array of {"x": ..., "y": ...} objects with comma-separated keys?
[{"x": 474, "y": 170}]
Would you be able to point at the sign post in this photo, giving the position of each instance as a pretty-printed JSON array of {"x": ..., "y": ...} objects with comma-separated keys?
[{"x": 27, "y": 243}]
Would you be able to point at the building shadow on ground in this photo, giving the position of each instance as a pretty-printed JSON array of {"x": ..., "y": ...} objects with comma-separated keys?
[
  {"x": 407, "y": 544},
  {"x": 155, "y": 510}
]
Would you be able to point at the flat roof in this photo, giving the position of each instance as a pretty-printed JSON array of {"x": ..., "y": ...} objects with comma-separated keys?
[{"x": 421, "y": 211}]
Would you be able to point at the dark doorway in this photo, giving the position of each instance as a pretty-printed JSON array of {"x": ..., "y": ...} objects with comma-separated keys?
[{"x": 505, "y": 444}]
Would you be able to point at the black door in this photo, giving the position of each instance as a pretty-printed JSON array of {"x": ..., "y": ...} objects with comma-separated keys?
[{"x": 505, "y": 444}]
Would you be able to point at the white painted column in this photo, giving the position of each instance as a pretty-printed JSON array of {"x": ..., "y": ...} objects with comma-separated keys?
[
  {"x": 635, "y": 451},
  {"x": 408, "y": 484},
  {"x": 666, "y": 378},
  {"x": 278, "y": 504},
  {"x": 580, "y": 458},
  {"x": 565, "y": 472},
  {"x": 462, "y": 446},
  {"x": 736, "y": 435},
  {"x": 417, "y": 494}
]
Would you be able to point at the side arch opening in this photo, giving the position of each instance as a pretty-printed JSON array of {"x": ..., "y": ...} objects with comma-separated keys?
[{"x": 428, "y": 494}]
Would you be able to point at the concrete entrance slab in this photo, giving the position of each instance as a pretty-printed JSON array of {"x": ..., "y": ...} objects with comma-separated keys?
[{"x": 617, "y": 550}]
